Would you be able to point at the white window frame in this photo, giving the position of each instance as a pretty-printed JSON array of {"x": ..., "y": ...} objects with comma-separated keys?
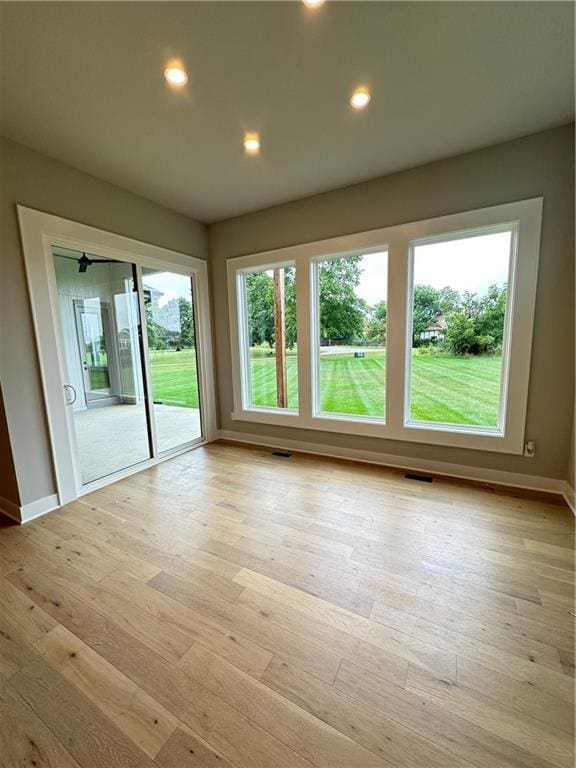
[
  {"x": 524, "y": 216},
  {"x": 499, "y": 430},
  {"x": 40, "y": 232},
  {"x": 244, "y": 339},
  {"x": 315, "y": 329}
]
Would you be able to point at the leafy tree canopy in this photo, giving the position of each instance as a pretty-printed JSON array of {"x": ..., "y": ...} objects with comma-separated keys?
[
  {"x": 474, "y": 324},
  {"x": 376, "y": 323},
  {"x": 342, "y": 313},
  {"x": 171, "y": 325}
]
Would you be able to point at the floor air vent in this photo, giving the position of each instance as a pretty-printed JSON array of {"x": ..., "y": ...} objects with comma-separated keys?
[
  {"x": 283, "y": 454},
  {"x": 421, "y": 478}
]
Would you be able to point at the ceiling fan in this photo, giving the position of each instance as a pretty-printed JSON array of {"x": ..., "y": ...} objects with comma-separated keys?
[{"x": 84, "y": 262}]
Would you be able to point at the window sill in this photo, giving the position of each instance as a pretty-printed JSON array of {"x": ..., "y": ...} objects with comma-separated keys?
[
  {"x": 459, "y": 429},
  {"x": 435, "y": 435}
]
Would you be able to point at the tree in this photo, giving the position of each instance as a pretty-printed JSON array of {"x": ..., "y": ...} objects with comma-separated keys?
[
  {"x": 461, "y": 333},
  {"x": 290, "y": 306},
  {"x": 376, "y": 323},
  {"x": 341, "y": 311},
  {"x": 490, "y": 322},
  {"x": 470, "y": 304},
  {"x": 260, "y": 300},
  {"x": 151, "y": 327},
  {"x": 187, "y": 335},
  {"x": 171, "y": 325},
  {"x": 478, "y": 325},
  {"x": 448, "y": 299},
  {"x": 426, "y": 308}
]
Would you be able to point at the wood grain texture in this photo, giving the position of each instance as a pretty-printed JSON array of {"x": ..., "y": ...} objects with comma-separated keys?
[
  {"x": 24, "y": 739},
  {"x": 232, "y": 609},
  {"x": 135, "y": 713}
]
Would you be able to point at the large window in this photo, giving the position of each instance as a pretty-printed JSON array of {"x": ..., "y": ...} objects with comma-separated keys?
[
  {"x": 269, "y": 348},
  {"x": 458, "y": 338},
  {"x": 418, "y": 332},
  {"x": 351, "y": 312}
]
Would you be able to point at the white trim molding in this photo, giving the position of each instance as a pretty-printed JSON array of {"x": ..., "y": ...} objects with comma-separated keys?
[
  {"x": 570, "y": 496},
  {"x": 40, "y": 232},
  {"x": 437, "y": 468},
  {"x": 522, "y": 219},
  {"x": 39, "y": 507},
  {"x": 31, "y": 511}
]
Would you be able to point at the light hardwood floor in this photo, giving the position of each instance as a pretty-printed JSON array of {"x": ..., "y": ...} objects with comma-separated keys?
[{"x": 232, "y": 608}]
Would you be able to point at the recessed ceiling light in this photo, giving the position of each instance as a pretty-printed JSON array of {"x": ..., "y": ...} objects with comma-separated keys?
[
  {"x": 251, "y": 143},
  {"x": 360, "y": 98},
  {"x": 176, "y": 76},
  {"x": 313, "y": 3}
]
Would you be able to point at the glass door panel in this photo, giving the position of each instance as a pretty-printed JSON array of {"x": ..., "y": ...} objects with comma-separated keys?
[
  {"x": 94, "y": 339},
  {"x": 170, "y": 321},
  {"x": 100, "y": 322}
]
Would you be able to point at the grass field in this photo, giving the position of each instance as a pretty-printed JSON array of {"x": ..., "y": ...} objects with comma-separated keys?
[
  {"x": 174, "y": 377},
  {"x": 454, "y": 390}
]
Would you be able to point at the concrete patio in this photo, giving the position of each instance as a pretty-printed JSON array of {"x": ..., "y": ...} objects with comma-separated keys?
[{"x": 116, "y": 437}]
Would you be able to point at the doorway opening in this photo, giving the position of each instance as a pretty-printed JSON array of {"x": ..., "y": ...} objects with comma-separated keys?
[{"x": 129, "y": 339}]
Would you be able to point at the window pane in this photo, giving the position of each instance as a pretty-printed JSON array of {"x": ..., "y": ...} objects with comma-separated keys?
[
  {"x": 271, "y": 326},
  {"x": 100, "y": 321},
  {"x": 458, "y": 324},
  {"x": 169, "y": 306},
  {"x": 352, "y": 309}
]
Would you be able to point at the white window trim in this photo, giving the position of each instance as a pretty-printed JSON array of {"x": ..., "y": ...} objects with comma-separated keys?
[
  {"x": 243, "y": 337},
  {"x": 525, "y": 214},
  {"x": 315, "y": 330},
  {"x": 499, "y": 430},
  {"x": 40, "y": 232}
]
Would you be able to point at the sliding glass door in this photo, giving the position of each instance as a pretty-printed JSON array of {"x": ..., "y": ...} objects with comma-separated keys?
[
  {"x": 171, "y": 327},
  {"x": 132, "y": 382}
]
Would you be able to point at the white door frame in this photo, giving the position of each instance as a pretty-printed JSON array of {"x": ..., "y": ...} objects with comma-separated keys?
[
  {"x": 40, "y": 232},
  {"x": 103, "y": 310}
]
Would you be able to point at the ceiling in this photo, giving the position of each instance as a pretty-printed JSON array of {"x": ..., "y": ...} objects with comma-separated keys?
[{"x": 83, "y": 83}]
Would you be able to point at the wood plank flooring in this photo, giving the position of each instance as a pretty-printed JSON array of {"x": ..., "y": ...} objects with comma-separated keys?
[{"x": 231, "y": 608}]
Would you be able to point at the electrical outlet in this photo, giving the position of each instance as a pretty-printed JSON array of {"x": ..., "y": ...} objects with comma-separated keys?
[{"x": 530, "y": 448}]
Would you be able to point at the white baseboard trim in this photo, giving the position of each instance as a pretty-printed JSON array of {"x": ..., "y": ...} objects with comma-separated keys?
[
  {"x": 445, "y": 469},
  {"x": 570, "y": 496},
  {"x": 10, "y": 509},
  {"x": 30, "y": 511},
  {"x": 39, "y": 507}
]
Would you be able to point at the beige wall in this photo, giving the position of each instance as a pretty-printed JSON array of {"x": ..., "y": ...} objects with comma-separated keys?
[
  {"x": 542, "y": 164},
  {"x": 8, "y": 482},
  {"x": 36, "y": 181}
]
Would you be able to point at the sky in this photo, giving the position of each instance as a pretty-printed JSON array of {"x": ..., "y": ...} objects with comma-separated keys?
[
  {"x": 172, "y": 285},
  {"x": 374, "y": 281},
  {"x": 468, "y": 264}
]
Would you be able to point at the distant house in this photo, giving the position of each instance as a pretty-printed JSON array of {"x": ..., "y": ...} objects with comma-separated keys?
[
  {"x": 435, "y": 331},
  {"x": 151, "y": 295}
]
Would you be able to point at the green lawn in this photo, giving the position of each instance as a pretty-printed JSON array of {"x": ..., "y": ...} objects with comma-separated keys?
[
  {"x": 174, "y": 377},
  {"x": 455, "y": 390}
]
